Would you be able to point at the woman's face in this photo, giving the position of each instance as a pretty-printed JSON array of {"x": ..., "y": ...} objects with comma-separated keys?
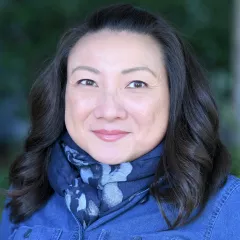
[{"x": 116, "y": 81}]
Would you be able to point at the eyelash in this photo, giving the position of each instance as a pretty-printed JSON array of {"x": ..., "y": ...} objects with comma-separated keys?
[
  {"x": 79, "y": 81},
  {"x": 136, "y": 81}
]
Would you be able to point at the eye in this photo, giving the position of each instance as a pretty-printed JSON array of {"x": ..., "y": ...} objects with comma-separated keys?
[
  {"x": 138, "y": 84},
  {"x": 87, "y": 82}
]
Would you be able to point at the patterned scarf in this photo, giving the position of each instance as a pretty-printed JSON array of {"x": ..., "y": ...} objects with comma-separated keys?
[{"x": 92, "y": 189}]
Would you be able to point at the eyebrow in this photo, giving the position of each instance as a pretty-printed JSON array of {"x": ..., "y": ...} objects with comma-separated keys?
[{"x": 125, "y": 71}]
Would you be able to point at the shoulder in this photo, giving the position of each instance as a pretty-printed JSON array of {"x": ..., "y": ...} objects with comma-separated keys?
[
  {"x": 52, "y": 218},
  {"x": 224, "y": 218}
]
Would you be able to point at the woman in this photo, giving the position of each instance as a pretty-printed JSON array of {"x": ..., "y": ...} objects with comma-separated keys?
[{"x": 124, "y": 141}]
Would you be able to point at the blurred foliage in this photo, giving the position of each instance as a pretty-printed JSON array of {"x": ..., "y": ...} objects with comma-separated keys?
[
  {"x": 3, "y": 184},
  {"x": 30, "y": 31}
]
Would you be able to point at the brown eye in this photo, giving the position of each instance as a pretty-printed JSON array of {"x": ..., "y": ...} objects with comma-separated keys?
[
  {"x": 87, "y": 82},
  {"x": 137, "y": 84}
]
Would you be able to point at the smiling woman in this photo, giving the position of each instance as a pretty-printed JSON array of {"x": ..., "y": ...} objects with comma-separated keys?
[
  {"x": 124, "y": 140},
  {"x": 110, "y": 98}
]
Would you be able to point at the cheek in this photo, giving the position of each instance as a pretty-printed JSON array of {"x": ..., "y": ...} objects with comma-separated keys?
[
  {"x": 148, "y": 110},
  {"x": 152, "y": 122},
  {"x": 78, "y": 105}
]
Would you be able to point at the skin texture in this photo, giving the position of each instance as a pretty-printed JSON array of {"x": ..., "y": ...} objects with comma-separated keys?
[{"x": 112, "y": 99}]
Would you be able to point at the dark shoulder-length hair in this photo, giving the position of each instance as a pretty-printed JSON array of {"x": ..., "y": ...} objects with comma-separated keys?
[{"x": 195, "y": 163}]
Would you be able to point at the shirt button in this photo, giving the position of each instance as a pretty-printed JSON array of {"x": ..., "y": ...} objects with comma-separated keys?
[{"x": 75, "y": 236}]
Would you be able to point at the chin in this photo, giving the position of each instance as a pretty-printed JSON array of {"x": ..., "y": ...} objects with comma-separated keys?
[{"x": 110, "y": 160}]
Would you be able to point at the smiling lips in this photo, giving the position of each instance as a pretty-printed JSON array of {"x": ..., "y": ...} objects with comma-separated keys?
[{"x": 110, "y": 136}]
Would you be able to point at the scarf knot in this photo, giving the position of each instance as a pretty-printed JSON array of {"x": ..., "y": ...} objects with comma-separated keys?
[{"x": 92, "y": 189}]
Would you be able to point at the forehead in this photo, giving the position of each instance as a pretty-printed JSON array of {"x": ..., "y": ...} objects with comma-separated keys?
[{"x": 116, "y": 48}]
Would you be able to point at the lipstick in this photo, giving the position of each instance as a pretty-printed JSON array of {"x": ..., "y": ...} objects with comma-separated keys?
[{"x": 110, "y": 135}]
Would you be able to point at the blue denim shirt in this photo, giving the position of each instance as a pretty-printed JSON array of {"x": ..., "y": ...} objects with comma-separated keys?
[{"x": 139, "y": 219}]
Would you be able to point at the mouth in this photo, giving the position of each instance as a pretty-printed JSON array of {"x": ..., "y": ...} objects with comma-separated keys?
[{"x": 110, "y": 136}]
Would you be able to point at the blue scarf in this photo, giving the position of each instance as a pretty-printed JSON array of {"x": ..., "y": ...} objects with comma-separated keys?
[{"x": 92, "y": 189}]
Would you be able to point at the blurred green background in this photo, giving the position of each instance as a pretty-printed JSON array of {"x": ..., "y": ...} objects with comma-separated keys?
[{"x": 30, "y": 30}]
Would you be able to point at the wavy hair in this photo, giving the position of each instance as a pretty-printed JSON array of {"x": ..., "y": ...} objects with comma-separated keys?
[{"x": 195, "y": 163}]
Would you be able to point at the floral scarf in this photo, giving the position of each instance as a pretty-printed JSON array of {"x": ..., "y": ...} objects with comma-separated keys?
[{"x": 92, "y": 189}]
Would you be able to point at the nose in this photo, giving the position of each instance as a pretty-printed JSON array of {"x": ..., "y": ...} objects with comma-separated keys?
[{"x": 110, "y": 107}]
